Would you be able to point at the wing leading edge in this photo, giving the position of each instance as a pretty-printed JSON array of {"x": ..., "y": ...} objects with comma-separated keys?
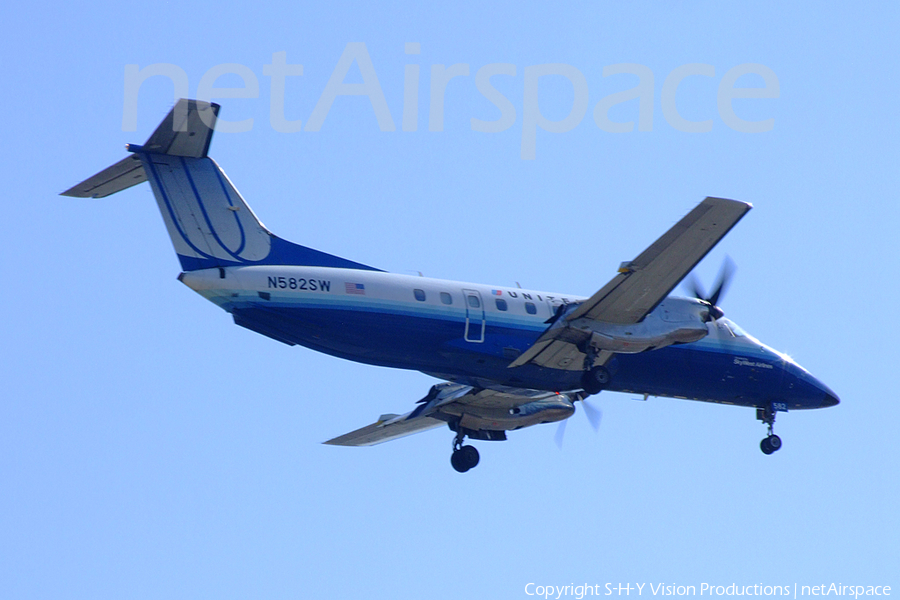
[{"x": 644, "y": 282}]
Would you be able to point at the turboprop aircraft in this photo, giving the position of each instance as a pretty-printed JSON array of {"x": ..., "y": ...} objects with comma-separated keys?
[{"x": 509, "y": 358}]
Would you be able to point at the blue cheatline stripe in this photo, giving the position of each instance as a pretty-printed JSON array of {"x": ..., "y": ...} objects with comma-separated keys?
[
  {"x": 148, "y": 163},
  {"x": 375, "y": 307},
  {"x": 212, "y": 229}
]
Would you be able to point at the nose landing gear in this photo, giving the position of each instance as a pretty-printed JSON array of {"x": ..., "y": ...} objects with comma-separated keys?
[
  {"x": 771, "y": 443},
  {"x": 463, "y": 457}
]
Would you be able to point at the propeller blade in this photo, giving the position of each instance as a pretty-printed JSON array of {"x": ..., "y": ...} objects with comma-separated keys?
[
  {"x": 693, "y": 286},
  {"x": 726, "y": 272},
  {"x": 593, "y": 414},
  {"x": 724, "y": 280},
  {"x": 560, "y": 433}
]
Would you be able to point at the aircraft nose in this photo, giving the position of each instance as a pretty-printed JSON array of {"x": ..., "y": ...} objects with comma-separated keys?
[
  {"x": 830, "y": 400},
  {"x": 819, "y": 393},
  {"x": 829, "y": 397}
]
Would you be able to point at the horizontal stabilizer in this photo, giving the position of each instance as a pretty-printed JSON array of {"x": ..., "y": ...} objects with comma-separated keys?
[
  {"x": 186, "y": 131},
  {"x": 127, "y": 172}
]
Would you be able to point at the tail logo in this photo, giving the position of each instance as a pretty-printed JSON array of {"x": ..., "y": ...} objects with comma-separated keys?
[{"x": 206, "y": 217}]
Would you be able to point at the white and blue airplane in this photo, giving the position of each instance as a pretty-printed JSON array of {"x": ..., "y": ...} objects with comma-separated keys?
[{"x": 509, "y": 357}]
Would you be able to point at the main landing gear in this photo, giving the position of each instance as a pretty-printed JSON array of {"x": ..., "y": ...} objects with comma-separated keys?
[
  {"x": 771, "y": 443},
  {"x": 595, "y": 380},
  {"x": 463, "y": 457}
]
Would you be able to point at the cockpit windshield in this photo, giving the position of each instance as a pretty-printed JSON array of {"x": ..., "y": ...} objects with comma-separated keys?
[{"x": 732, "y": 328}]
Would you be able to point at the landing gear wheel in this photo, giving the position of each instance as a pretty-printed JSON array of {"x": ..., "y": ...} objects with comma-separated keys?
[
  {"x": 465, "y": 458},
  {"x": 458, "y": 462},
  {"x": 770, "y": 444},
  {"x": 595, "y": 380},
  {"x": 470, "y": 456}
]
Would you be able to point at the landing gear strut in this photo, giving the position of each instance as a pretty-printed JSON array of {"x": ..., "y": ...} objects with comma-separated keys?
[
  {"x": 463, "y": 457},
  {"x": 596, "y": 376},
  {"x": 771, "y": 443}
]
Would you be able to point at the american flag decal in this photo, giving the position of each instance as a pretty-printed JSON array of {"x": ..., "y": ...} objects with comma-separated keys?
[
  {"x": 497, "y": 292},
  {"x": 355, "y": 288}
]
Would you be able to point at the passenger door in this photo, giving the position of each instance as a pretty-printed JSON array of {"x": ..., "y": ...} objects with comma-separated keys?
[{"x": 474, "y": 316}]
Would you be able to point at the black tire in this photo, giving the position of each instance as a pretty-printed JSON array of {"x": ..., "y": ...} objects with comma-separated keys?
[
  {"x": 457, "y": 460},
  {"x": 595, "y": 380},
  {"x": 774, "y": 442},
  {"x": 470, "y": 456},
  {"x": 600, "y": 375},
  {"x": 766, "y": 447}
]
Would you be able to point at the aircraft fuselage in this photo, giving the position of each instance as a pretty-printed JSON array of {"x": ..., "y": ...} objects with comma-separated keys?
[{"x": 470, "y": 333}]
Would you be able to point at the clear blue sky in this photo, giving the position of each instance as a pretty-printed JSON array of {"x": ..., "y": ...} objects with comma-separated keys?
[{"x": 149, "y": 448}]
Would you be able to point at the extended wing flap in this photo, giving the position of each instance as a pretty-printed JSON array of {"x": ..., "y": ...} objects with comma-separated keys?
[
  {"x": 644, "y": 282},
  {"x": 553, "y": 354}
]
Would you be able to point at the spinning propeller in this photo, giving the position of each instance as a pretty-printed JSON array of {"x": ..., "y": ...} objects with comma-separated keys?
[
  {"x": 724, "y": 280},
  {"x": 593, "y": 414}
]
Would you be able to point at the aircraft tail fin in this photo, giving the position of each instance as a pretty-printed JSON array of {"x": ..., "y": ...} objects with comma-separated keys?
[
  {"x": 186, "y": 131},
  {"x": 209, "y": 222}
]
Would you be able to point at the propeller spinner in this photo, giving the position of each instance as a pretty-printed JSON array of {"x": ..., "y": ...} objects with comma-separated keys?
[{"x": 726, "y": 272}]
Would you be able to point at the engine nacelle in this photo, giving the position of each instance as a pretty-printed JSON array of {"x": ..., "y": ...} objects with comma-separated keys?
[
  {"x": 548, "y": 410},
  {"x": 674, "y": 321},
  {"x": 555, "y": 407},
  {"x": 497, "y": 410}
]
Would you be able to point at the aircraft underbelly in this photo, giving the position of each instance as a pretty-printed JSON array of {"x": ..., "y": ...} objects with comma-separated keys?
[
  {"x": 382, "y": 338},
  {"x": 439, "y": 346},
  {"x": 693, "y": 373}
]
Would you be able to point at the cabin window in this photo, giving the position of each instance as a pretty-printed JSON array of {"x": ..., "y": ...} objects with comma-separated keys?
[
  {"x": 501, "y": 304},
  {"x": 446, "y": 298},
  {"x": 473, "y": 301},
  {"x": 420, "y": 295},
  {"x": 530, "y": 308}
]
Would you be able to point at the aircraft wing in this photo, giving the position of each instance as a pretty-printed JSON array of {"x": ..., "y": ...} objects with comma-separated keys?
[
  {"x": 475, "y": 409},
  {"x": 386, "y": 428},
  {"x": 640, "y": 284}
]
